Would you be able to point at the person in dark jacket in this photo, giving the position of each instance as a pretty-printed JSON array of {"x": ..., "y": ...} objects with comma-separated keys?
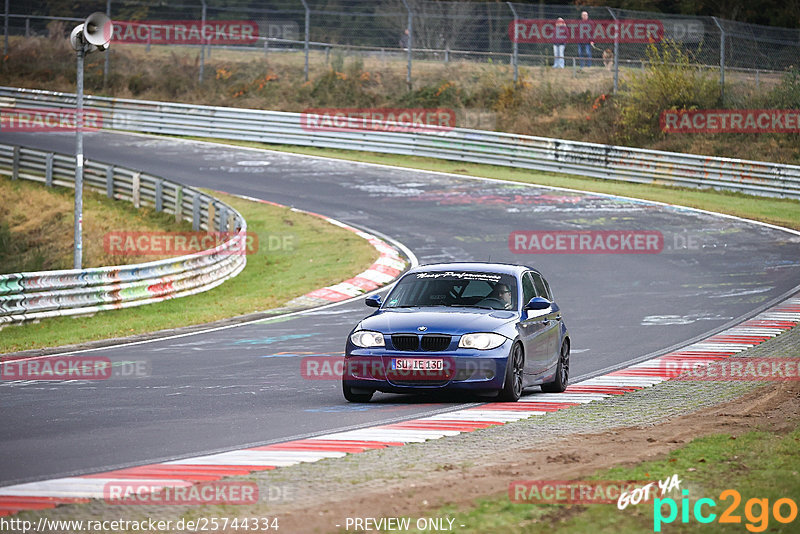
[{"x": 585, "y": 27}]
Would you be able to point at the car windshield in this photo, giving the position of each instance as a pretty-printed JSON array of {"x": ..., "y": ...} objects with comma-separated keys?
[{"x": 455, "y": 289}]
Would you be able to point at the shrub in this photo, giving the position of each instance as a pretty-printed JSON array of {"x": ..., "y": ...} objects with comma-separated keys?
[{"x": 669, "y": 81}]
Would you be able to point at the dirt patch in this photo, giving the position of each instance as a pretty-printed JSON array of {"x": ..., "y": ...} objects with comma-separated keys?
[{"x": 773, "y": 408}]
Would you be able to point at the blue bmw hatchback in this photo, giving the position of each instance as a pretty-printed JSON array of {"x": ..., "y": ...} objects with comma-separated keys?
[{"x": 480, "y": 327}]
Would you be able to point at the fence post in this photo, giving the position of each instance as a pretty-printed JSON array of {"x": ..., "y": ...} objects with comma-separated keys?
[
  {"x": 721, "y": 62},
  {"x": 308, "y": 32},
  {"x": 616, "y": 50},
  {"x": 202, "y": 44},
  {"x": 48, "y": 169},
  {"x": 27, "y": 27},
  {"x": 514, "y": 57},
  {"x": 106, "y": 59},
  {"x": 15, "y": 164},
  {"x": 410, "y": 28},
  {"x": 110, "y": 181},
  {"x": 5, "y": 32}
]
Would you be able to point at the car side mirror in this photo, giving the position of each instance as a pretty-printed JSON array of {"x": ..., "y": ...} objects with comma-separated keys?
[
  {"x": 374, "y": 301},
  {"x": 538, "y": 303}
]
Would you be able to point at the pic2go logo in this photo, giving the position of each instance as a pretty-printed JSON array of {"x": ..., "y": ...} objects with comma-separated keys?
[{"x": 758, "y": 521}]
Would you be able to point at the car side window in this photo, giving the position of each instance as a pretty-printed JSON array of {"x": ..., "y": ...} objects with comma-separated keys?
[
  {"x": 549, "y": 291},
  {"x": 538, "y": 283},
  {"x": 528, "y": 291}
]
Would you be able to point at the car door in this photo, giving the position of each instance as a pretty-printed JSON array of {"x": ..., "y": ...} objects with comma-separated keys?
[
  {"x": 532, "y": 329},
  {"x": 551, "y": 321}
]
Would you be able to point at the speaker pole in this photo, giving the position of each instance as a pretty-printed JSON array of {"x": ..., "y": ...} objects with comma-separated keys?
[
  {"x": 94, "y": 34},
  {"x": 78, "y": 249}
]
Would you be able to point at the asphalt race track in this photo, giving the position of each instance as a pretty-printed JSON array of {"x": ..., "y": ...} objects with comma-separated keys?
[{"x": 242, "y": 386}]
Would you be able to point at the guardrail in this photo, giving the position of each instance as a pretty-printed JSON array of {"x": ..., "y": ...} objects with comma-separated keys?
[
  {"x": 458, "y": 144},
  {"x": 38, "y": 295}
]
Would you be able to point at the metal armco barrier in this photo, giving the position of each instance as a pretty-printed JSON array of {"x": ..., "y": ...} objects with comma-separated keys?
[
  {"x": 458, "y": 144},
  {"x": 39, "y": 295}
]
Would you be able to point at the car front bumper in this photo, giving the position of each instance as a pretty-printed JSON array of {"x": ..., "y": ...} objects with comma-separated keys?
[{"x": 463, "y": 369}]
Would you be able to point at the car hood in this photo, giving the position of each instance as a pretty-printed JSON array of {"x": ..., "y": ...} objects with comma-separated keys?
[{"x": 454, "y": 321}]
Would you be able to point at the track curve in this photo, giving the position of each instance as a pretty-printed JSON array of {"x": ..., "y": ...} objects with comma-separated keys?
[{"x": 241, "y": 386}]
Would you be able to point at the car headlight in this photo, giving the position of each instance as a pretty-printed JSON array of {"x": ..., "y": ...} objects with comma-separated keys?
[
  {"x": 366, "y": 339},
  {"x": 481, "y": 341}
]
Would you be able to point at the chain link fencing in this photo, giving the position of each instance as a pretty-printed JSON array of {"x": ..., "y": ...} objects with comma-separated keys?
[{"x": 421, "y": 34}]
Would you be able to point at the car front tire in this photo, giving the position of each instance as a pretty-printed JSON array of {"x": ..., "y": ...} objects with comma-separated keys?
[
  {"x": 512, "y": 386},
  {"x": 353, "y": 396}
]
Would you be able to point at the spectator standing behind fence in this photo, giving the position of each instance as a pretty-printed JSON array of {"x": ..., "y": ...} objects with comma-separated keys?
[
  {"x": 585, "y": 31},
  {"x": 559, "y": 43},
  {"x": 404, "y": 40}
]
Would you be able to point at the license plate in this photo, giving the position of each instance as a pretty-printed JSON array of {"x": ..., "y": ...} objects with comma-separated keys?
[{"x": 417, "y": 364}]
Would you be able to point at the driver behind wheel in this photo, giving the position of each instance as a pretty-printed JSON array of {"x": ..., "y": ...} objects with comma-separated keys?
[{"x": 500, "y": 294}]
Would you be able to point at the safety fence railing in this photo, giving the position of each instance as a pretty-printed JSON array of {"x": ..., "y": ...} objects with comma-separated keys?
[
  {"x": 423, "y": 30},
  {"x": 457, "y": 144},
  {"x": 37, "y": 295}
]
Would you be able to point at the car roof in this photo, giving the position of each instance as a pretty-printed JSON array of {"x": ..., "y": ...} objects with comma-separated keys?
[{"x": 503, "y": 268}]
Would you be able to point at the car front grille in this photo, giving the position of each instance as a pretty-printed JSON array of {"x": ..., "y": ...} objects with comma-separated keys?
[
  {"x": 435, "y": 342},
  {"x": 428, "y": 342},
  {"x": 409, "y": 342}
]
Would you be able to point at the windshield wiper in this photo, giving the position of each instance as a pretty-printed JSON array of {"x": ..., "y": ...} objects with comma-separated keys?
[{"x": 471, "y": 306}]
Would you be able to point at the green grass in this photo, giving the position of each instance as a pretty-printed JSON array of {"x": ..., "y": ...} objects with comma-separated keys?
[
  {"x": 782, "y": 212},
  {"x": 759, "y": 465},
  {"x": 319, "y": 254},
  {"x": 36, "y": 227}
]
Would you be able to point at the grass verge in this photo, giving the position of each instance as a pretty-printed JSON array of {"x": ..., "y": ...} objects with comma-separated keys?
[
  {"x": 297, "y": 253},
  {"x": 36, "y": 227},
  {"x": 758, "y": 465},
  {"x": 782, "y": 212}
]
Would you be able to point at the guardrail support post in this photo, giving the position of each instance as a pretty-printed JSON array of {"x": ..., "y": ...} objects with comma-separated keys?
[
  {"x": 178, "y": 204},
  {"x": 15, "y": 164},
  {"x": 110, "y": 181},
  {"x": 135, "y": 183},
  {"x": 159, "y": 195},
  {"x": 196, "y": 213},
  {"x": 48, "y": 169},
  {"x": 211, "y": 212}
]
